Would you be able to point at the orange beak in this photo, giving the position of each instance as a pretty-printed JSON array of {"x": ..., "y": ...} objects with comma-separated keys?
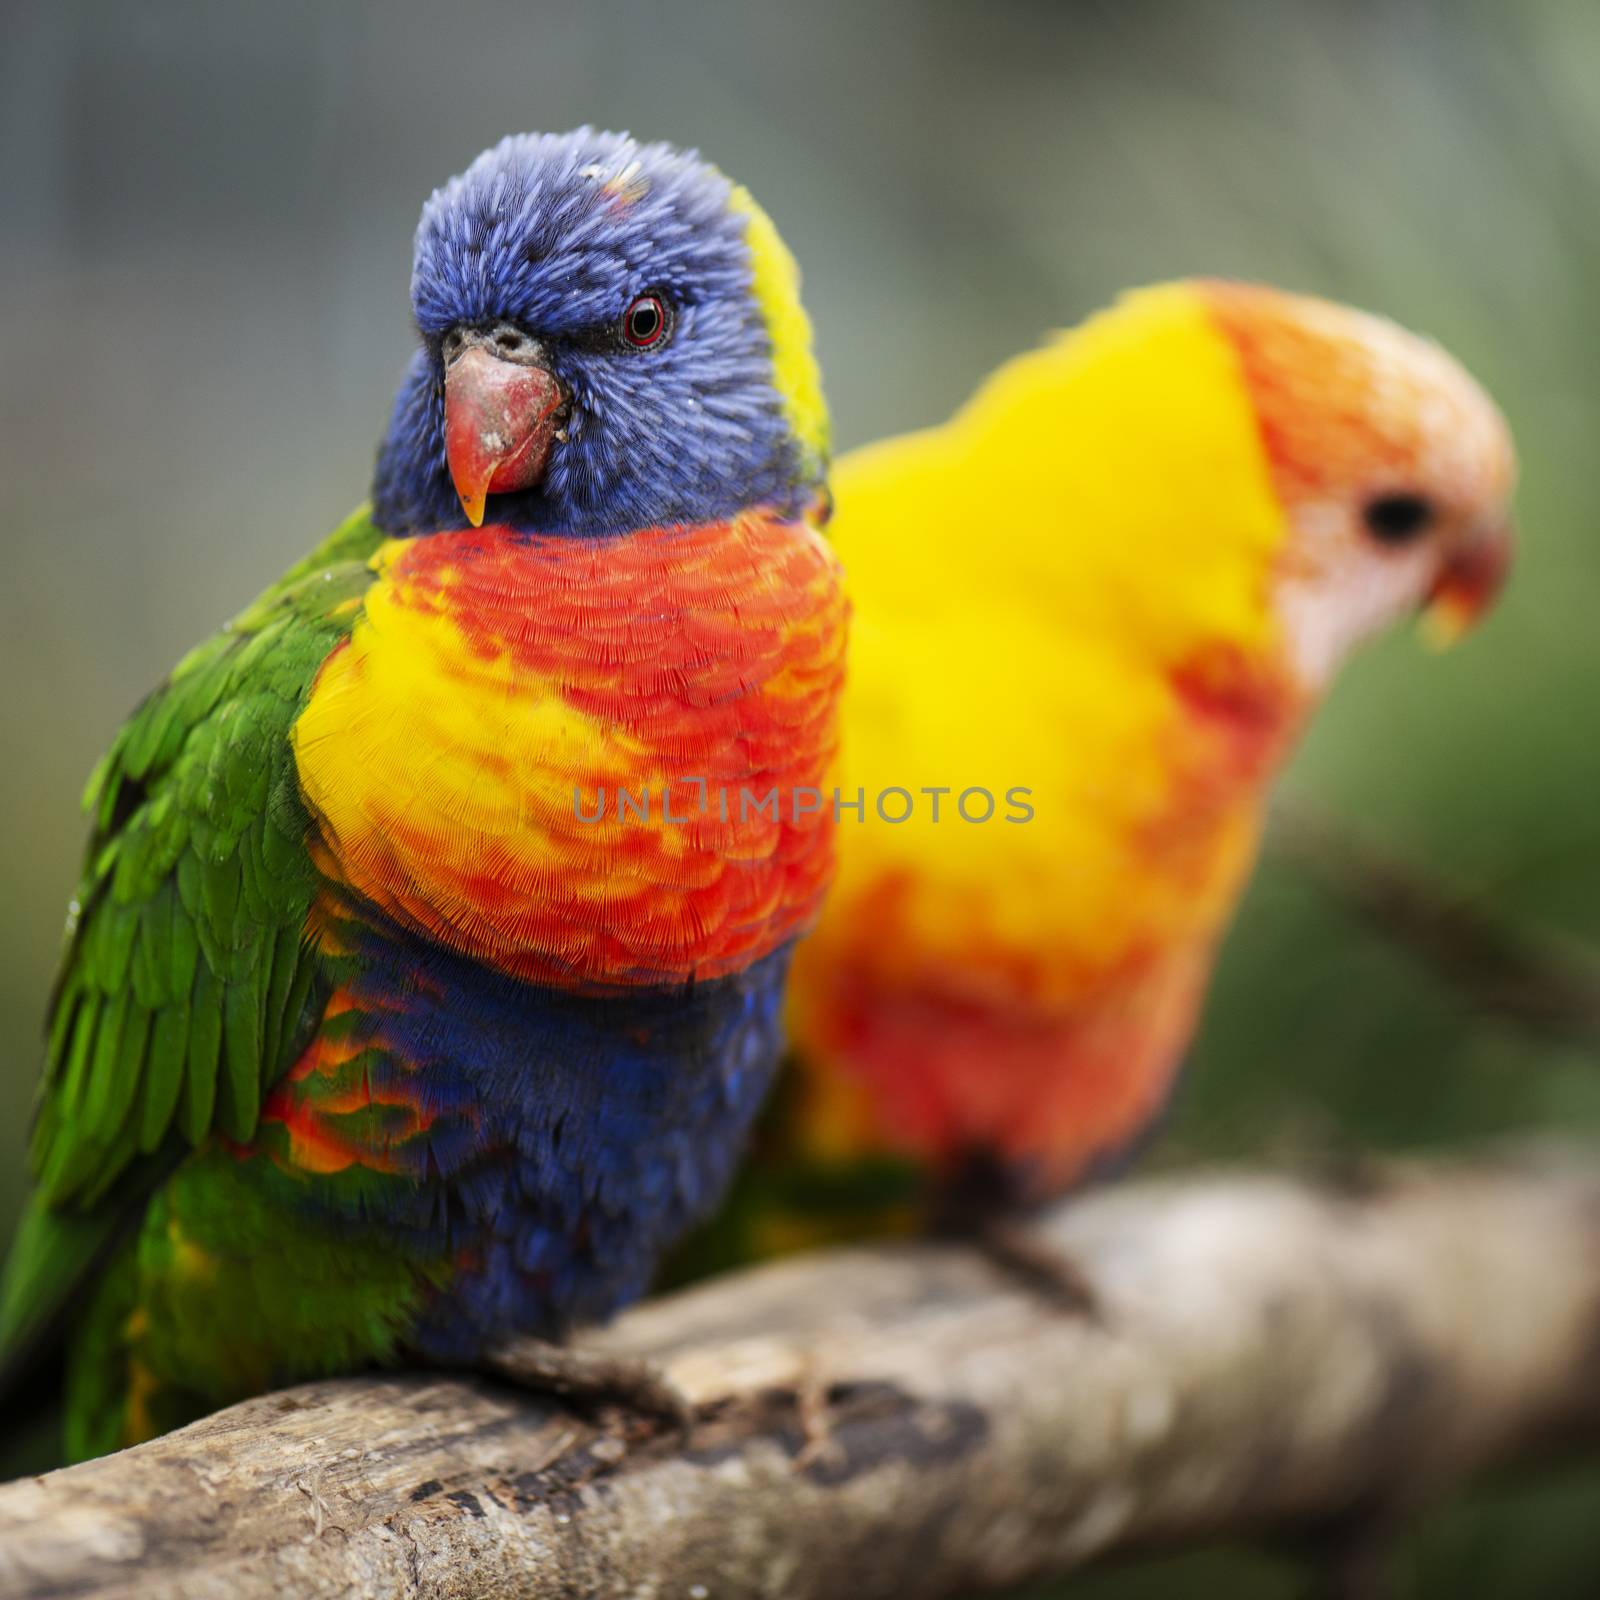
[
  {"x": 500, "y": 420},
  {"x": 1469, "y": 582}
]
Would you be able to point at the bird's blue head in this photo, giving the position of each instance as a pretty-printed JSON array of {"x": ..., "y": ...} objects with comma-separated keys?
[{"x": 612, "y": 338}]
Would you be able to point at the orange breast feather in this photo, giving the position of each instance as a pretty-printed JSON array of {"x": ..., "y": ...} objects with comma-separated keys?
[{"x": 466, "y": 752}]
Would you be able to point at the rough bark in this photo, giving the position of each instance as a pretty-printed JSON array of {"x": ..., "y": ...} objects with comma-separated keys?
[{"x": 1265, "y": 1355}]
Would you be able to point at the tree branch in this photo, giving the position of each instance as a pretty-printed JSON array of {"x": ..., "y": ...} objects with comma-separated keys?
[
  {"x": 905, "y": 1421},
  {"x": 1529, "y": 977}
]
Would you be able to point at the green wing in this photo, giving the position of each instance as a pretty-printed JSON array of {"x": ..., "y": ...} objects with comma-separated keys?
[{"x": 185, "y": 977}]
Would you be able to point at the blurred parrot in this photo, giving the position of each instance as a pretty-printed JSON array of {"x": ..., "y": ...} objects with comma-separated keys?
[
  {"x": 376, "y": 1038},
  {"x": 1093, "y": 613}
]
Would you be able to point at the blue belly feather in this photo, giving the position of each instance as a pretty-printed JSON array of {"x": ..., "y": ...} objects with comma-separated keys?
[{"x": 571, "y": 1139}]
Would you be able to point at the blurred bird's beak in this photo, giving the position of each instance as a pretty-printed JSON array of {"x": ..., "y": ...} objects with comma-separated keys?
[
  {"x": 500, "y": 419},
  {"x": 1468, "y": 584}
]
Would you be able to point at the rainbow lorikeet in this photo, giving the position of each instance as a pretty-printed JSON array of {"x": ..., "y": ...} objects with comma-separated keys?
[
  {"x": 1187, "y": 512},
  {"x": 378, "y": 1033}
]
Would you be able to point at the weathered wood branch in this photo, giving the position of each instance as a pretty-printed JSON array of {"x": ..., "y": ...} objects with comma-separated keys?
[{"x": 906, "y": 1421}]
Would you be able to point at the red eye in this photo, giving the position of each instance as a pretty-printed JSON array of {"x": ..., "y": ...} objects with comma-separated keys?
[{"x": 644, "y": 323}]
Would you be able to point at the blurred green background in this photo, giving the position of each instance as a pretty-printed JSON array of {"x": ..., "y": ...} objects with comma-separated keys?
[{"x": 205, "y": 222}]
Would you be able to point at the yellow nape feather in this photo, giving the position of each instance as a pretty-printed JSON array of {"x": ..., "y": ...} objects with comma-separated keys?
[
  {"x": 796, "y": 375},
  {"x": 1029, "y": 582}
]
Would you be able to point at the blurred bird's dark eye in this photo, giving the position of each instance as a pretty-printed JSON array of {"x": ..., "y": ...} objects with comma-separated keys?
[
  {"x": 1398, "y": 518},
  {"x": 644, "y": 323}
]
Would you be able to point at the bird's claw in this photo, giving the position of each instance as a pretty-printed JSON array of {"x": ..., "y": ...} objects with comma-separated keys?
[
  {"x": 590, "y": 1376},
  {"x": 1038, "y": 1266}
]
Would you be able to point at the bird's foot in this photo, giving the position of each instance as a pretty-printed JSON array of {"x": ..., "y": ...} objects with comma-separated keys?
[
  {"x": 1038, "y": 1266},
  {"x": 590, "y": 1377},
  {"x": 991, "y": 1203}
]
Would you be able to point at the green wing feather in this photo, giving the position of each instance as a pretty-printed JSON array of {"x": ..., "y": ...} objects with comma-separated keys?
[{"x": 185, "y": 959}]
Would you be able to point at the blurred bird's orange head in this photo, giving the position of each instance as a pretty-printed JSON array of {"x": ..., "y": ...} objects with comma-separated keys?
[{"x": 1393, "y": 467}]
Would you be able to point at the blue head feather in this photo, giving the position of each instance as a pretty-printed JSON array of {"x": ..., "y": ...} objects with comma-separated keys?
[{"x": 559, "y": 233}]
